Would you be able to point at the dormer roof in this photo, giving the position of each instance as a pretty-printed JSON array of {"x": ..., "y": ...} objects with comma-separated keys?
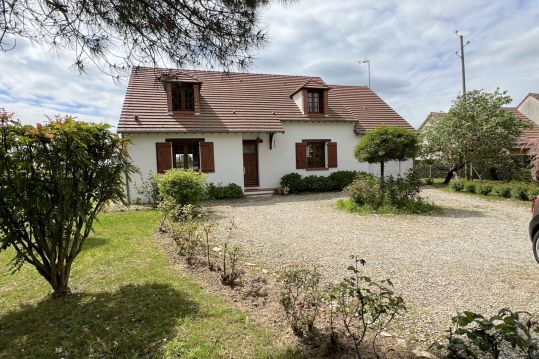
[{"x": 312, "y": 83}]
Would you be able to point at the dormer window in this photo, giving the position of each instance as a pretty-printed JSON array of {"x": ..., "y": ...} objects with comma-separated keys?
[
  {"x": 315, "y": 101},
  {"x": 183, "y": 97}
]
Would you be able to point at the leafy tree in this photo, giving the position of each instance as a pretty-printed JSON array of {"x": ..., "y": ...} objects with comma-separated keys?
[
  {"x": 476, "y": 130},
  {"x": 114, "y": 35},
  {"x": 385, "y": 144},
  {"x": 54, "y": 180}
]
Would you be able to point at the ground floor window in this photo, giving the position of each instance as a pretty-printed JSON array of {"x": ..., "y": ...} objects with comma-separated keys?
[
  {"x": 316, "y": 154},
  {"x": 186, "y": 155}
]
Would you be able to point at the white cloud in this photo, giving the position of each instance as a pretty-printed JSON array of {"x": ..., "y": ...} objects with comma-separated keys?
[{"x": 411, "y": 45}]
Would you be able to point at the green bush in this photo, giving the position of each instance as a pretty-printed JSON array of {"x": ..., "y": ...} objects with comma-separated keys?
[
  {"x": 366, "y": 190},
  {"x": 316, "y": 184},
  {"x": 484, "y": 188},
  {"x": 149, "y": 188},
  {"x": 293, "y": 181},
  {"x": 403, "y": 189},
  {"x": 231, "y": 190},
  {"x": 470, "y": 187},
  {"x": 502, "y": 190},
  {"x": 182, "y": 187},
  {"x": 520, "y": 191},
  {"x": 428, "y": 181},
  {"x": 341, "y": 179},
  {"x": 457, "y": 186}
]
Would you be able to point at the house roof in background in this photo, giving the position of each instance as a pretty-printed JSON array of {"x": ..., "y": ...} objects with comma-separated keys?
[
  {"x": 531, "y": 94},
  {"x": 433, "y": 116},
  {"x": 245, "y": 102},
  {"x": 529, "y": 133}
]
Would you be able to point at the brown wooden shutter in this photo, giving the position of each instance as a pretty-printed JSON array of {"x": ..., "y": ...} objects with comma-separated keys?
[
  {"x": 196, "y": 98},
  {"x": 332, "y": 154},
  {"x": 301, "y": 155},
  {"x": 168, "y": 91},
  {"x": 164, "y": 156},
  {"x": 206, "y": 157}
]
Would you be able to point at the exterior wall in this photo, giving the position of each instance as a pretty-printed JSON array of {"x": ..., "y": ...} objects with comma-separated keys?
[
  {"x": 298, "y": 99},
  {"x": 228, "y": 157},
  {"x": 530, "y": 108},
  {"x": 272, "y": 164}
]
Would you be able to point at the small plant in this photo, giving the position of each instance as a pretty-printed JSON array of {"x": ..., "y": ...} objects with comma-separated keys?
[
  {"x": 520, "y": 192},
  {"x": 207, "y": 228},
  {"x": 300, "y": 297},
  {"x": 341, "y": 179},
  {"x": 187, "y": 232},
  {"x": 149, "y": 188},
  {"x": 506, "y": 334},
  {"x": 293, "y": 181},
  {"x": 484, "y": 188},
  {"x": 502, "y": 190},
  {"x": 428, "y": 181},
  {"x": 229, "y": 191},
  {"x": 365, "y": 306},
  {"x": 231, "y": 255},
  {"x": 470, "y": 187},
  {"x": 366, "y": 190},
  {"x": 457, "y": 186}
]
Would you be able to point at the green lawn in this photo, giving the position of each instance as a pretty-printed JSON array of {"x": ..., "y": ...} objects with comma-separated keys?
[{"x": 128, "y": 302}]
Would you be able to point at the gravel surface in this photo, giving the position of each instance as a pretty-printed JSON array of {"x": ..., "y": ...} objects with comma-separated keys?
[{"x": 475, "y": 255}]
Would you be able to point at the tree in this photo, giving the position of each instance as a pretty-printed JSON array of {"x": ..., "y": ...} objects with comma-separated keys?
[
  {"x": 385, "y": 144},
  {"x": 54, "y": 180},
  {"x": 115, "y": 35},
  {"x": 476, "y": 130}
]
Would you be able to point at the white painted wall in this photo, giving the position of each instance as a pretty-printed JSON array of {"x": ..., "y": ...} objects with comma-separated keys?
[
  {"x": 298, "y": 99},
  {"x": 228, "y": 156},
  {"x": 530, "y": 108},
  {"x": 272, "y": 164}
]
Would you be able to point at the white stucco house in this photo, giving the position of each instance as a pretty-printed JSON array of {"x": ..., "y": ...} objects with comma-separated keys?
[{"x": 248, "y": 129}]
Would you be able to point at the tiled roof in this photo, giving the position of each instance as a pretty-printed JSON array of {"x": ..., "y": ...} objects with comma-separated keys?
[
  {"x": 244, "y": 102},
  {"x": 431, "y": 118},
  {"x": 529, "y": 133}
]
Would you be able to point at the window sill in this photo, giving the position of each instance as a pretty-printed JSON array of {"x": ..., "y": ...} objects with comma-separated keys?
[
  {"x": 317, "y": 168},
  {"x": 184, "y": 112}
]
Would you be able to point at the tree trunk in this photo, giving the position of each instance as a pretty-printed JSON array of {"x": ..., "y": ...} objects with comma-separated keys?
[
  {"x": 451, "y": 172},
  {"x": 59, "y": 282},
  {"x": 382, "y": 171}
]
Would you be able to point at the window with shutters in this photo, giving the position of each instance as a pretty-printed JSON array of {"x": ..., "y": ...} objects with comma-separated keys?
[
  {"x": 183, "y": 97},
  {"x": 186, "y": 155},
  {"x": 316, "y": 154}
]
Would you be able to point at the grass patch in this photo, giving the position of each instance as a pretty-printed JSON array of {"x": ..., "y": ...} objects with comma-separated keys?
[
  {"x": 129, "y": 302},
  {"x": 415, "y": 207}
]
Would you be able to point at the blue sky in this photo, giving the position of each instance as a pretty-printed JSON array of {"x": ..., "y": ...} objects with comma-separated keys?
[{"x": 411, "y": 45}]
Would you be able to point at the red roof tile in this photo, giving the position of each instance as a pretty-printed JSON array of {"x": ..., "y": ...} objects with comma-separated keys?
[
  {"x": 529, "y": 133},
  {"x": 244, "y": 102}
]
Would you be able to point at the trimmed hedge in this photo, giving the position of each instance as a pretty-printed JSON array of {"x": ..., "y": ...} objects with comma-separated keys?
[
  {"x": 229, "y": 191},
  {"x": 336, "y": 181},
  {"x": 517, "y": 190},
  {"x": 182, "y": 187}
]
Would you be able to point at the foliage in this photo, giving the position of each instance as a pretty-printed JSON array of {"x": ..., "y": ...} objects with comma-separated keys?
[
  {"x": 364, "y": 305},
  {"x": 470, "y": 186},
  {"x": 457, "y": 186},
  {"x": 149, "y": 188},
  {"x": 187, "y": 231},
  {"x": 129, "y": 298},
  {"x": 366, "y": 190},
  {"x": 428, "y": 181},
  {"x": 115, "y": 36},
  {"x": 503, "y": 335},
  {"x": 341, "y": 179},
  {"x": 316, "y": 184},
  {"x": 231, "y": 274},
  {"x": 419, "y": 206},
  {"x": 385, "y": 144},
  {"x": 179, "y": 188},
  {"x": 293, "y": 182},
  {"x": 55, "y": 179},
  {"x": 403, "y": 189},
  {"x": 520, "y": 192},
  {"x": 229, "y": 191},
  {"x": 533, "y": 151},
  {"x": 300, "y": 297},
  {"x": 484, "y": 188},
  {"x": 502, "y": 190},
  {"x": 476, "y": 131}
]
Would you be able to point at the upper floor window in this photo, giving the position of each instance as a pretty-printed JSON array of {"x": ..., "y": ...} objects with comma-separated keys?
[
  {"x": 315, "y": 101},
  {"x": 183, "y": 97}
]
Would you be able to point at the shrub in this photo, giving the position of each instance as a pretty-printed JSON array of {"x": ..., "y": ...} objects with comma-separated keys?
[
  {"x": 231, "y": 273},
  {"x": 341, "y": 179},
  {"x": 507, "y": 334},
  {"x": 470, "y": 187},
  {"x": 300, "y": 297},
  {"x": 293, "y": 182},
  {"x": 187, "y": 232},
  {"x": 149, "y": 188},
  {"x": 403, "y": 189},
  {"x": 502, "y": 190},
  {"x": 366, "y": 190},
  {"x": 179, "y": 188},
  {"x": 363, "y": 305},
  {"x": 316, "y": 184},
  {"x": 520, "y": 191},
  {"x": 231, "y": 190},
  {"x": 457, "y": 186},
  {"x": 428, "y": 181},
  {"x": 484, "y": 188}
]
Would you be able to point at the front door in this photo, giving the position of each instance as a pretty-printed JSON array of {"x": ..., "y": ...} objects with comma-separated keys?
[{"x": 250, "y": 163}]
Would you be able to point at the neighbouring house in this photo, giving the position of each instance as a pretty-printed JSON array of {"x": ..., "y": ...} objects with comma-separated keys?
[{"x": 245, "y": 128}]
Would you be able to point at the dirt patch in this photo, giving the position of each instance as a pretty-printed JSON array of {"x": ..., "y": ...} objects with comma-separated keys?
[{"x": 257, "y": 294}]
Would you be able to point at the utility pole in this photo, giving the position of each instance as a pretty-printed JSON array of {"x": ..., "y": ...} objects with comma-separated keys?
[
  {"x": 461, "y": 55},
  {"x": 368, "y": 62}
]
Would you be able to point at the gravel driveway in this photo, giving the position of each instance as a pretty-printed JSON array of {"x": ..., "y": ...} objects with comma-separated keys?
[{"x": 475, "y": 255}]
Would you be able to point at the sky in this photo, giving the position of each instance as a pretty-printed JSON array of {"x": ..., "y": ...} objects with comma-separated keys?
[{"x": 411, "y": 45}]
